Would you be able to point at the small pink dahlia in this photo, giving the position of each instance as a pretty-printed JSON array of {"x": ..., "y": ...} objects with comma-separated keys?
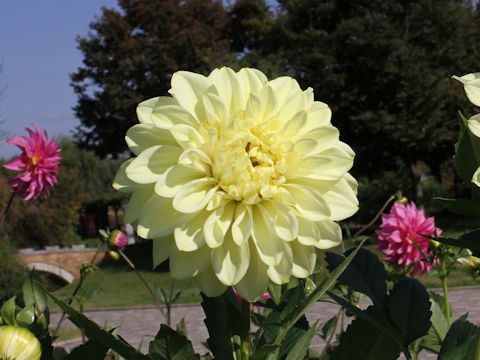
[
  {"x": 39, "y": 163},
  {"x": 404, "y": 224}
]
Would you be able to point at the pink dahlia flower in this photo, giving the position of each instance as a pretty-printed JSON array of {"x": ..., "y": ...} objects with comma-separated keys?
[
  {"x": 118, "y": 239},
  {"x": 39, "y": 163},
  {"x": 397, "y": 232}
]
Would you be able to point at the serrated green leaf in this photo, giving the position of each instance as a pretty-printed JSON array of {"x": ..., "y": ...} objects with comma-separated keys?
[
  {"x": 460, "y": 206},
  {"x": 33, "y": 293},
  {"x": 365, "y": 274},
  {"x": 301, "y": 346},
  {"x": 460, "y": 342},
  {"x": 170, "y": 345},
  {"x": 439, "y": 320},
  {"x": 91, "y": 350},
  {"x": 8, "y": 311},
  {"x": 93, "y": 331},
  {"x": 26, "y": 316},
  {"x": 363, "y": 340},
  {"x": 409, "y": 309}
]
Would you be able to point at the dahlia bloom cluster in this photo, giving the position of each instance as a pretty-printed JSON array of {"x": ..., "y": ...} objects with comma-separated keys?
[
  {"x": 404, "y": 225},
  {"x": 248, "y": 175},
  {"x": 38, "y": 163}
]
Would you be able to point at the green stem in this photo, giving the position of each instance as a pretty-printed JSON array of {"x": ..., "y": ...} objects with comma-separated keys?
[
  {"x": 445, "y": 291},
  {"x": 4, "y": 215},
  {"x": 245, "y": 345},
  {"x": 83, "y": 275},
  {"x": 391, "y": 198},
  {"x": 477, "y": 346},
  {"x": 157, "y": 300}
]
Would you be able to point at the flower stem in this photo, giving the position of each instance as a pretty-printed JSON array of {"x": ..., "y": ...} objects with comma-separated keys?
[
  {"x": 245, "y": 346},
  {"x": 83, "y": 275},
  {"x": 159, "y": 303},
  {"x": 373, "y": 220},
  {"x": 443, "y": 276},
  {"x": 9, "y": 203}
]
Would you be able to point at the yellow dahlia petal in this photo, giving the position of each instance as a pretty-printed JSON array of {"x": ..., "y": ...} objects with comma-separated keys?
[
  {"x": 308, "y": 202},
  {"x": 317, "y": 140},
  {"x": 169, "y": 113},
  {"x": 285, "y": 223},
  {"x": 187, "y": 264},
  {"x": 140, "y": 196},
  {"x": 342, "y": 198},
  {"x": 243, "y": 224},
  {"x": 252, "y": 81},
  {"x": 158, "y": 217},
  {"x": 143, "y": 136},
  {"x": 217, "y": 224},
  {"x": 151, "y": 163},
  {"x": 476, "y": 177},
  {"x": 161, "y": 249},
  {"x": 230, "y": 261},
  {"x": 121, "y": 182},
  {"x": 474, "y": 125},
  {"x": 194, "y": 195},
  {"x": 471, "y": 83},
  {"x": 304, "y": 259},
  {"x": 189, "y": 235},
  {"x": 170, "y": 182},
  {"x": 281, "y": 272},
  {"x": 330, "y": 235},
  {"x": 188, "y": 89},
  {"x": 269, "y": 245},
  {"x": 186, "y": 136},
  {"x": 255, "y": 281},
  {"x": 229, "y": 88},
  {"x": 145, "y": 108},
  {"x": 209, "y": 283}
]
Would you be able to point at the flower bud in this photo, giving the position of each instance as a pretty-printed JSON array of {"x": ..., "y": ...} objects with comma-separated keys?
[
  {"x": 113, "y": 255},
  {"x": 118, "y": 240},
  {"x": 17, "y": 343}
]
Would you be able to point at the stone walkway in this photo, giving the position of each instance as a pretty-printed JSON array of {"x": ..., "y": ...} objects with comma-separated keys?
[{"x": 139, "y": 325}]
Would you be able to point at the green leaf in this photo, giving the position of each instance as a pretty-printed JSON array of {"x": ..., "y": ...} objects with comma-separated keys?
[
  {"x": 266, "y": 352},
  {"x": 439, "y": 320},
  {"x": 217, "y": 322},
  {"x": 26, "y": 316},
  {"x": 365, "y": 274},
  {"x": 301, "y": 346},
  {"x": 470, "y": 241},
  {"x": 363, "y": 340},
  {"x": 170, "y": 345},
  {"x": 275, "y": 292},
  {"x": 94, "y": 331},
  {"x": 409, "y": 309},
  {"x": 460, "y": 206},
  {"x": 301, "y": 307},
  {"x": 467, "y": 155},
  {"x": 33, "y": 291},
  {"x": 92, "y": 350},
  {"x": 8, "y": 311},
  {"x": 460, "y": 342}
]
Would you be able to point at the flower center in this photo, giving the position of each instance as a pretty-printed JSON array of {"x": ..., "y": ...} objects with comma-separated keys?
[
  {"x": 35, "y": 159},
  {"x": 250, "y": 164}
]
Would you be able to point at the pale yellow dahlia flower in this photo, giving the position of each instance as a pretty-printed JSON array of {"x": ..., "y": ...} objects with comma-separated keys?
[
  {"x": 17, "y": 343},
  {"x": 248, "y": 175}
]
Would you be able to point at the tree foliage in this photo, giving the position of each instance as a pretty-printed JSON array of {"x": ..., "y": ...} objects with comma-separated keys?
[{"x": 130, "y": 55}]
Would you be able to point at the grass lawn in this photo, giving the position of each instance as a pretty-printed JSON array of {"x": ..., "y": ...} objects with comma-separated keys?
[{"x": 119, "y": 285}]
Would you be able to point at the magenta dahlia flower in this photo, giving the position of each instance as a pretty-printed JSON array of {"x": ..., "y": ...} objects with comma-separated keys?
[
  {"x": 398, "y": 232},
  {"x": 39, "y": 163}
]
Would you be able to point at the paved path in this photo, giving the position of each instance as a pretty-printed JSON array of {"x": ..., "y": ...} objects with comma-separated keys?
[{"x": 139, "y": 325}]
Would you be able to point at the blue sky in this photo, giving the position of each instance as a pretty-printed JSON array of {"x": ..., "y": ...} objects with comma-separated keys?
[{"x": 38, "y": 51}]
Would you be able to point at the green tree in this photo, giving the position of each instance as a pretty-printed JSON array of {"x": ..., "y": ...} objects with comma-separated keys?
[{"x": 130, "y": 55}]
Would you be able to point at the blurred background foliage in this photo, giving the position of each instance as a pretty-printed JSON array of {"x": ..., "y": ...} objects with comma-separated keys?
[{"x": 383, "y": 66}]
